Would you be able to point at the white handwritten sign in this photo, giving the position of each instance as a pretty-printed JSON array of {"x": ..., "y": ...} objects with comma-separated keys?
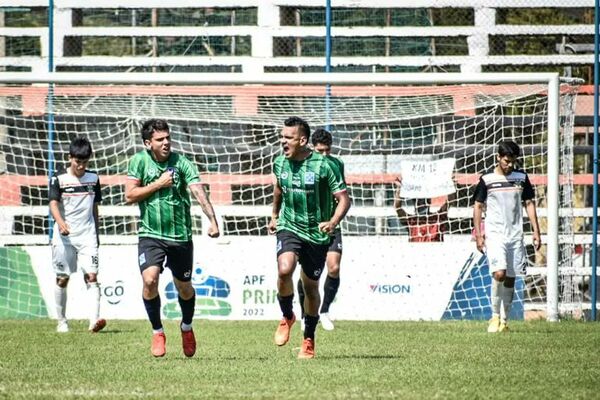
[{"x": 427, "y": 178}]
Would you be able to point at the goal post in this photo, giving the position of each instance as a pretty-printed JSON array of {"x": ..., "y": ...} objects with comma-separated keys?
[{"x": 229, "y": 124}]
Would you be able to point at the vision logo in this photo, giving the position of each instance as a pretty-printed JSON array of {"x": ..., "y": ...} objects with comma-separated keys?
[
  {"x": 390, "y": 288},
  {"x": 211, "y": 292}
]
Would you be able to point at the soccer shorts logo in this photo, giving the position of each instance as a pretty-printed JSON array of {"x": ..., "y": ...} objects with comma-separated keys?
[
  {"x": 142, "y": 259},
  {"x": 278, "y": 245}
]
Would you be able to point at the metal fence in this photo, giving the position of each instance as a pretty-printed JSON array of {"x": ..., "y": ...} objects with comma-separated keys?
[{"x": 289, "y": 36}]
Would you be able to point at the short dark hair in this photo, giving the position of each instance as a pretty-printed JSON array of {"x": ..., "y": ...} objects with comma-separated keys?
[
  {"x": 508, "y": 148},
  {"x": 153, "y": 125},
  {"x": 322, "y": 136},
  {"x": 303, "y": 126},
  {"x": 80, "y": 148}
]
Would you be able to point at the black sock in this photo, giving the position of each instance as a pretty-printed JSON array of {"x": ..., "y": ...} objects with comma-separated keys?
[
  {"x": 331, "y": 288},
  {"x": 187, "y": 309},
  {"x": 153, "y": 311},
  {"x": 286, "y": 305},
  {"x": 301, "y": 296},
  {"x": 310, "y": 324}
]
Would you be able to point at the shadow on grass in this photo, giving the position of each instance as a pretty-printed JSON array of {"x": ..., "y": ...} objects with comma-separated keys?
[
  {"x": 318, "y": 357},
  {"x": 361, "y": 357}
]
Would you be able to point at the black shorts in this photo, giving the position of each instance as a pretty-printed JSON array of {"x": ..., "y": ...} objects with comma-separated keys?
[
  {"x": 336, "y": 242},
  {"x": 311, "y": 256},
  {"x": 178, "y": 256}
]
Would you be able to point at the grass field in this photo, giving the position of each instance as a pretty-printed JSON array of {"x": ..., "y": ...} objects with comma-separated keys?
[{"x": 360, "y": 360}]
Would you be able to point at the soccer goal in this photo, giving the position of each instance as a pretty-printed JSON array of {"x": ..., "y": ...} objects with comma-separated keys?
[{"x": 438, "y": 130}]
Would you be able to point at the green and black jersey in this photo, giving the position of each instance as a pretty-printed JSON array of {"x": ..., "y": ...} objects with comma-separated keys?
[
  {"x": 166, "y": 213},
  {"x": 307, "y": 189}
]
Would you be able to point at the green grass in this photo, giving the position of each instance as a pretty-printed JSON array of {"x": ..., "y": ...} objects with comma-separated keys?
[{"x": 360, "y": 360}]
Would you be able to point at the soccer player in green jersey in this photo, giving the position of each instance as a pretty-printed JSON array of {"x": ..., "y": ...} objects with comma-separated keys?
[
  {"x": 322, "y": 140},
  {"x": 305, "y": 217},
  {"x": 158, "y": 180}
]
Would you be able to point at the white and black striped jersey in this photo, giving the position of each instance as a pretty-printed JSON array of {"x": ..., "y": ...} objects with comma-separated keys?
[
  {"x": 504, "y": 196},
  {"x": 76, "y": 197}
]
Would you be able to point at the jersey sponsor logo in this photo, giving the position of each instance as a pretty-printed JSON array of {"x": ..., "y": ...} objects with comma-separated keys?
[
  {"x": 284, "y": 175},
  {"x": 297, "y": 190},
  {"x": 85, "y": 188},
  {"x": 309, "y": 178},
  {"x": 296, "y": 180}
]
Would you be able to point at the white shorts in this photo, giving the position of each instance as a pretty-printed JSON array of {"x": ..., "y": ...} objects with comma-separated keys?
[
  {"x": 509, "y": 257},
  {"x": 66, "y": 257}
]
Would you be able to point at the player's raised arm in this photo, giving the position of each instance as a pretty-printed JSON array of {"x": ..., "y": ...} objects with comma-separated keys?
[
  {"x": 134, "y": 192},
  {"x": 398, "y": 201}
]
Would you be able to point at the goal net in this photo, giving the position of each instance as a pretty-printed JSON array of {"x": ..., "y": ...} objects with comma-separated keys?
[{"x": 441, "y": 132}]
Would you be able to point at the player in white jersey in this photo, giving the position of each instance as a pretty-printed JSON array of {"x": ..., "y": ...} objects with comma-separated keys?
[
  {"x": 74, "y": 195},
  {"x": 503, "y": 193}
]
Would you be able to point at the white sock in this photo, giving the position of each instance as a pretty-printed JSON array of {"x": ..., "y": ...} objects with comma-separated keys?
[
  {"x": 186, "y": 327},
  {"x": 507, "y": 298},
  {"x": 60, "y": 298},
  {"x": 495, "y": 296},
  {"x": 93, "y": 290}
]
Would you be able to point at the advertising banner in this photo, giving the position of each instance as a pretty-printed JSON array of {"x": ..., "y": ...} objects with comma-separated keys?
[{"x": 382, "y": 278}]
